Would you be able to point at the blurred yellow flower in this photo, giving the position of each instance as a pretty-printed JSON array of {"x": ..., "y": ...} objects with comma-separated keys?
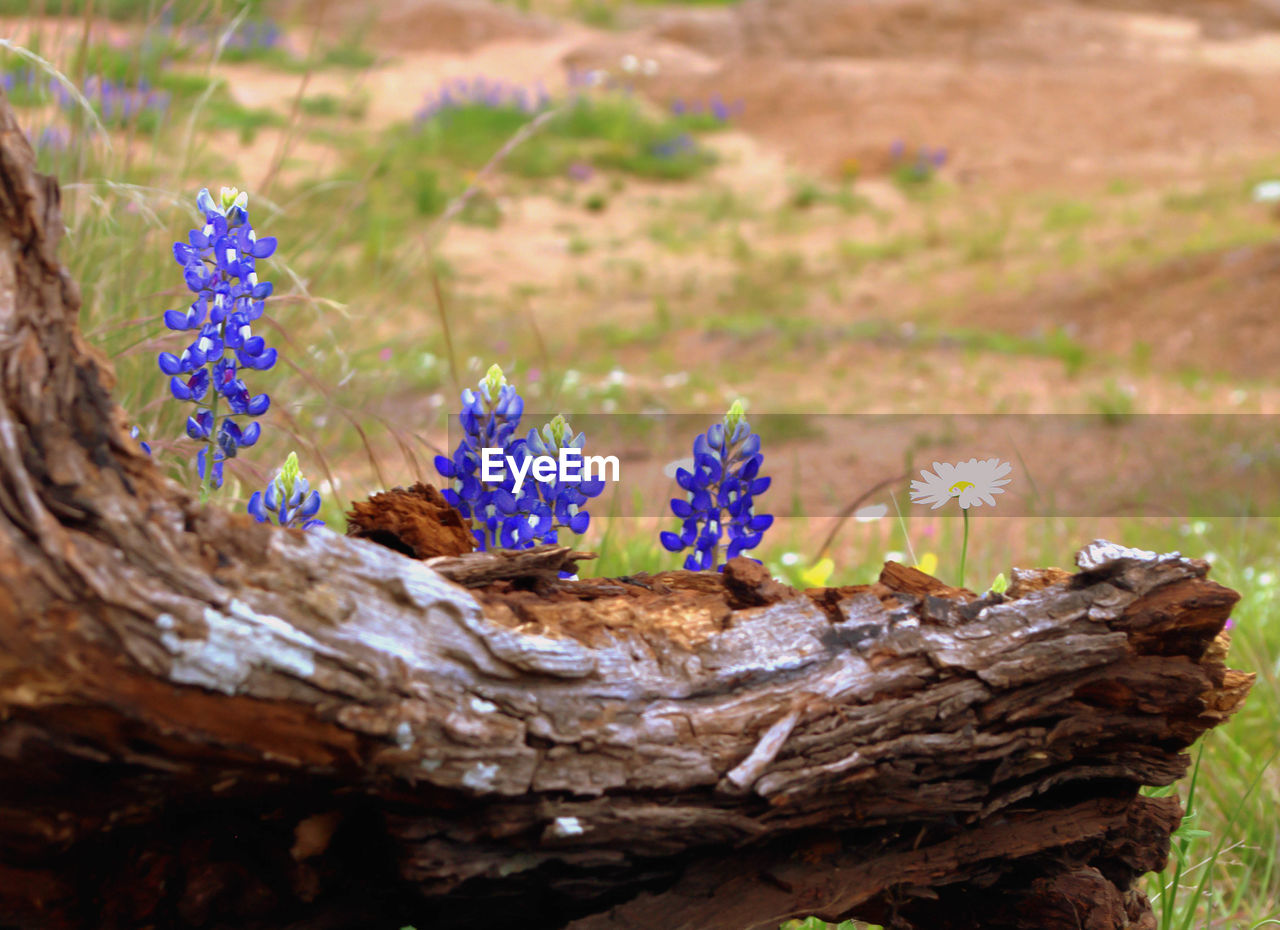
[
  {"x": 928, "y": 563},
  {"x": 817, "y": 576}
]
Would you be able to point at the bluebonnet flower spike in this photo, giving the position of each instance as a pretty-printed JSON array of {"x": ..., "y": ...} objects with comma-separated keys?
[
  {"x": 500, "y": 515},
  {"x": 720, "y": 495},
  {"x": 219, "y": 265}
]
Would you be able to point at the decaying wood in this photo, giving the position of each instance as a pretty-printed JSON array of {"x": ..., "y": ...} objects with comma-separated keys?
[
  {"x": 539, "y": 567},
  {"x": 206, "y": 722},
  {"x": 416, "y": 521}
]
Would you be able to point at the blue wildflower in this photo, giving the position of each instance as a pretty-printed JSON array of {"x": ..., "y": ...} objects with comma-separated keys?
[
  {"x": 288, "y": 498},
  {"x": 503, "y": 515},
  {"x": 720, "y": 492},
  {"x": 490, "y": 417},
  {"x": 219, "y": 265},
  {"x": 563, "y": 502}
]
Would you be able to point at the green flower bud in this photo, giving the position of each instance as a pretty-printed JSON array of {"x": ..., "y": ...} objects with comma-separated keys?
[
  {"x": 289, "y": 474},
  {"x": 494, "y": 382},
  {"x": 231, "y": 197},
  {"x": 557, "y": 430},
  {"x": 735, "y": 416}
]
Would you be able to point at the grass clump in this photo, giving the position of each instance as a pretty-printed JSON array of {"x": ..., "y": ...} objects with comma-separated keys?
[
  {"x": 415, "y": 169},
  {"x": 121, "y": 10}
]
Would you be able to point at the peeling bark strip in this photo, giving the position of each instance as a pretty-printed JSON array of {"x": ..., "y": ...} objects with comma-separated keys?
[{"x": 207, "y": 722}]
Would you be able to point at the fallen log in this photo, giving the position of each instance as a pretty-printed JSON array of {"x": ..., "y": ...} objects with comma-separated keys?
[{"x": 207, "y": 722}]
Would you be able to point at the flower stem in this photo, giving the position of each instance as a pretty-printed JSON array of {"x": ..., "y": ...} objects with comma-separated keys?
[
  {"x": 206, "y": 483},
  {"x": 964, "y": 546}
]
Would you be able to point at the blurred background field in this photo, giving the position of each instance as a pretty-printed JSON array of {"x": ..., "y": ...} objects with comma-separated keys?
[{"x": 821, "y": 206}]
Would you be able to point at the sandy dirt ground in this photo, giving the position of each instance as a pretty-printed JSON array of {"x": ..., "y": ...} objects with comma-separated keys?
[
  {"x": 1024, "y": 96},
  {"x": 1123, "y": 104}
]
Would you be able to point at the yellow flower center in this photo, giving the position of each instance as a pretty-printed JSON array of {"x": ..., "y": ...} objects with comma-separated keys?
[{"x": 960, "y": 486}]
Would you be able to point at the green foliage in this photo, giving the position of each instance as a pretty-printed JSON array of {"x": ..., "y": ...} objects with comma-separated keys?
[
  {"x": 414, "y": 171},
  {"x": 603, "y": 14},
  {"x": 223, "y": 112},
  {"x": 912, "y": 178},
  {"x": 148, "y": 61},
  {"x": 611, "y": 131},
  {"x": 1114, "y": 403},
  {"x": 813, "y": 923},
  {"x": 429, "y": 198},
  {"x": 124, "y": 10},
  {"x": 1066, "y": 215},
  {"x": 351, "y": 55},
  {"x": 331, "y": 105}
]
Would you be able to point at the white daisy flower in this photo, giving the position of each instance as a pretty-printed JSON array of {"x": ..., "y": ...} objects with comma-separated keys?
[
  {"x": 1267, "y": 192},
  {"x": 973, "y": 483}
]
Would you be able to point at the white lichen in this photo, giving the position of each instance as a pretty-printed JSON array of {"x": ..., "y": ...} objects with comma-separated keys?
[
  {"x": 567, "y": 826},
  {"x": 480, "y": 776},
  {"x": 237, "y": 643}
]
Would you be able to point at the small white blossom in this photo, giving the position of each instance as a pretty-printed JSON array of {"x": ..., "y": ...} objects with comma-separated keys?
[
  {"x": 1267, "y": 192},
  {"x": 972, "y": 483}
]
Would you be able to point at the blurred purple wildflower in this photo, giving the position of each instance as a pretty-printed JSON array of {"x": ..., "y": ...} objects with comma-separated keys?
[
  {"x": 114, "y": 101},
  {"x": 480, "y": 91},
  {"x": 581, "y": 171},
  {"x": 716, "y": 107},
  {"x": 670, "y": 148}
]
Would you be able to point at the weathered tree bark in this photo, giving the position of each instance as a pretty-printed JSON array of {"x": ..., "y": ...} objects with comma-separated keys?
[{"x": 206, "y": 722}]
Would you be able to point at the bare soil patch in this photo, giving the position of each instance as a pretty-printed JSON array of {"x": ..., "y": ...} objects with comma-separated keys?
[
  {"x": 420, "y": 25},
  {"x": 1211, "y": 312}
]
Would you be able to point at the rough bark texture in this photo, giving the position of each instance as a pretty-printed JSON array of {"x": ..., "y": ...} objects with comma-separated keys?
[
  {"x": 207, "y": 722},
  {"x": 418, "y": 522}
]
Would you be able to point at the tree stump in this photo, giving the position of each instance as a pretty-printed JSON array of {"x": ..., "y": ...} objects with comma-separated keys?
[{"x": 207, "y": 722}]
